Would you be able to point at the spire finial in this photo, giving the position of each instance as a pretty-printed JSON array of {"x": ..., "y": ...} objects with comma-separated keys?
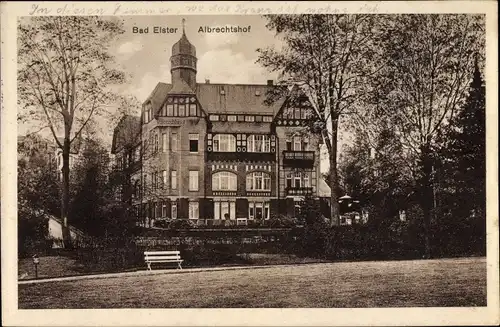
[{"x": 183, "y": 26}]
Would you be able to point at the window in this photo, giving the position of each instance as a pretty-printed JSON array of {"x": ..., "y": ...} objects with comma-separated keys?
[
  {"x": 194, "y": 210},
  {"x": 258, "y": 143},
  {"x": 214, "y": 117},
  {"x": 258, "y": 119},
  {"x": 173, "y": 178},
  {"x": 137, "y": 153},
  {"x": 145, "y": 182},
  {"x": 223, "y": 117},
  {"x": 304, "y": 113},
  {"x": 231, "y": 118},
  {"x": 258, "y": 181},
  {"x": 224, "y": 143},
  {"x": 224, "y": 181},
  {"x": 249, "y": 118},
  {"x": 174, "y": 210},
  {"x": 182, "y": 110},
  {"x": 288, "y": 179},
  {"x": 305, "y": 180},
  {"x": 297, "y": 178},
  {"x": 297, "y": 113},
  {"x": 137, "y": 189},
  {"x": 170, "y": 110},
  {"x": 288, "y": 145},
  {"x": 163, "y": 209},
  {"x": 157, "y": 142},
  {"x": 193, "y": 142},
  {"x": 224, "y": 210},
  {"x": 258, "y": 210},
  {"x": 164, "y": 142},
  {"x": 164, "y": 110},
  {"x": 297, "y": 141},
  {"x": 164, "y": 175},
  {"x": 192, "y": 110},
  {"x": 173, "y": 142},
  {"x": 305, "y": 145},
  {"x": 268, "y": 119},
  {"x": 193, "y": 180},
  {"x": 241, "y": 118}
]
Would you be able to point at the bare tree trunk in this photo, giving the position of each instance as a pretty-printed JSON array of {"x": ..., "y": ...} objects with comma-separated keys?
[
  {"x": 334, "y": 203},
  {"x": 426, "y": 198},
  {"x": 65, "y": 192}
]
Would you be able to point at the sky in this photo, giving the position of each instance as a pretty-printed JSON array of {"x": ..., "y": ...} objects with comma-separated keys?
[{"x": 222, "y": 57}]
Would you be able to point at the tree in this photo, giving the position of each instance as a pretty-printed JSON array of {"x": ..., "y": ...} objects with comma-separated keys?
[
  {"x": 328, "y": 57},
  {"x": 64, "y": 75},
  {"x": 465, "y": 152},
  {"x": 89, "y": 186},
  {"x": 37, "y": 192},
  {"x": 427, "y": 69},
  {"x": 377, "y": 175}
]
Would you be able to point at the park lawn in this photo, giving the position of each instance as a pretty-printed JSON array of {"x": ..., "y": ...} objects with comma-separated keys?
[{"x": 443, "y": 282}]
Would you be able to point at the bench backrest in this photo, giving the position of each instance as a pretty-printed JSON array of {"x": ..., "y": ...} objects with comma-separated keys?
[
  {"x": 162, "y": 253},
  {"x": 151, "y": 255}
]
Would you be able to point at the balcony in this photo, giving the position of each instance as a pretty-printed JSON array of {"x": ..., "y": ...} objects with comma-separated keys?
[
  {"x": 299, "y": 191},
  {"x": 241, "y": 156},
  {"x": 298, "y": 159}
]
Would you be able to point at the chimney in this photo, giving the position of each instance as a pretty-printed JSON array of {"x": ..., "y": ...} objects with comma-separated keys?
[
  {"x": 207, "y": 81},
  {"x": 269, "y": 82}
]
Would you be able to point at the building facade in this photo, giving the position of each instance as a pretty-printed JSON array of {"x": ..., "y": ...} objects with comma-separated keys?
[{"x": 211, "y": 152}]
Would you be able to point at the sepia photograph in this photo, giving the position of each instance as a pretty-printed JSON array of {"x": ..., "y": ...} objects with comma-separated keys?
[{"x": 271, "y": 160}]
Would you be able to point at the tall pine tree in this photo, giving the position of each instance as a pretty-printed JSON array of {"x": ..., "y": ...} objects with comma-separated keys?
[{"x": 467, "y": 153}]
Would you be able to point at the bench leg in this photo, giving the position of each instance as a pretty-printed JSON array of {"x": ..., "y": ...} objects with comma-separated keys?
[
  {"x": 149, "y": 265},
  {"x": 179, "y": 265}
]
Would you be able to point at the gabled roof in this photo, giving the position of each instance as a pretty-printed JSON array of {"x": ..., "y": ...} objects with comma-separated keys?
[
  {"x": 126, "y": 132},
  {"x": 241, "y": 127},
  {"x": 324, "y": 191},
  {"x": 158, "y": 96},
  {"x": 181, "y": 87},
  {"x": 236, "y": 98},
  {"x": 220, "y": 98}
]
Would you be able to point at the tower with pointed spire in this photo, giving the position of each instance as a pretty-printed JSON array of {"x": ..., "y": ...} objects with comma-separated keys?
[{"x": 183, "y": 61}]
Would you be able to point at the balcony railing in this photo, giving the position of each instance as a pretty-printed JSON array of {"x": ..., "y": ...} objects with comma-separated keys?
[
  {"x": 241, "y": 156},
  {"x": 224, "y": 193},
  {"x": 299, "y": 191},
  {"x": 298, "y": 158}
]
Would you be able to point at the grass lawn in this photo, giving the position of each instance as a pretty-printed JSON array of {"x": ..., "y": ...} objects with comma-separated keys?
[
  {"x": 67, "y": 265},
  {"x": 444, "y": 282}
]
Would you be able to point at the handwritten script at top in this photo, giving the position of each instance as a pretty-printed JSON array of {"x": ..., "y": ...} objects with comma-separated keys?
[{"x": 222, "y": 8}]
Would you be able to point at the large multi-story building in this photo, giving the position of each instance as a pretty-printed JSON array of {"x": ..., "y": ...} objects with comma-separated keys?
[{"x": 218, "y": 151}]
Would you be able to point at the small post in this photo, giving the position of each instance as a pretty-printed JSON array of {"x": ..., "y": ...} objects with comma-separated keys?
[{"x": 36, "y": 261}]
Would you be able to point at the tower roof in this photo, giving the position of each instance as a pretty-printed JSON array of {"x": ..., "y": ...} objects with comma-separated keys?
[{"x": 183, "y": 46}]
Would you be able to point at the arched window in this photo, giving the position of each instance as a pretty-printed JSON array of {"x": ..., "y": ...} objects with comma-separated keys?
[
  {"x": 258, "y": 181},
  {"x": 258, "y": 143},
  {"x": 224, "y": 181},
  {"x": 224, "y": 143}
]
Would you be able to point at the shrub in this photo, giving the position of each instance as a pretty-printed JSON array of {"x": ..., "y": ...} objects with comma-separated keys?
[
  {"x": 162, "y": 223},
  {"x": 181, "y": 224},
  {"x": 282, "y": 221}
]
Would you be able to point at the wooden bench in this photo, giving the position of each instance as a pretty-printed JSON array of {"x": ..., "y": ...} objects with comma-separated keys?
[{"x": 163, "y": 257}]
